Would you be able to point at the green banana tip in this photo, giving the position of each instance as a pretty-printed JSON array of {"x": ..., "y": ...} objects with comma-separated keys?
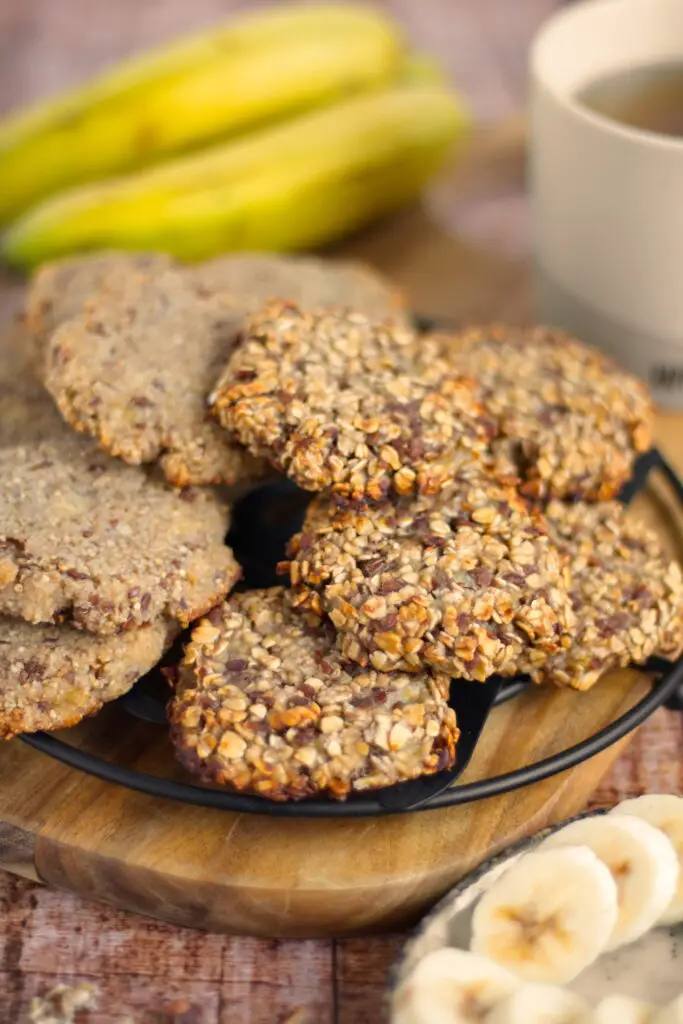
[{"x": 16, "y": 248}]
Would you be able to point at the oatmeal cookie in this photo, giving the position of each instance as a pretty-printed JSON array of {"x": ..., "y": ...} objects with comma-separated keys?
[
  {"x": 134, "y": 369},
  {"x": 87, "y": 539},
  {"x": 628, "y": 597},
  {"x": 466, "y": 583},
  {"x": 336, "y": 401},
  {"x": 571, "y": 422},
  {"x": 267, "y": 705},
  {"x": 58, "y": 289},
  {"x": 310, "y": 282},
  {"x": 27, "y": 413},
  {"x": 53, "y": 676}
]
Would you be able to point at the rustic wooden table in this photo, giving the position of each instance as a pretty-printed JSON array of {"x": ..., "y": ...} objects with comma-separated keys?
[{"x": 151, "y": 972}]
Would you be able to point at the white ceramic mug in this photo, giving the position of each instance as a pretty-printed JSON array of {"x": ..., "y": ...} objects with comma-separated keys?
[{"x": 607, "y": 200}]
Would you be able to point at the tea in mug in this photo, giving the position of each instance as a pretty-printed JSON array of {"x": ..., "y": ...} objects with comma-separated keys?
[{"x": 649, "y": 97}]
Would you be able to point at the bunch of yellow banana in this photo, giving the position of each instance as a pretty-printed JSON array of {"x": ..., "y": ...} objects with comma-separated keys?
[{"x": 285, "y": 130}]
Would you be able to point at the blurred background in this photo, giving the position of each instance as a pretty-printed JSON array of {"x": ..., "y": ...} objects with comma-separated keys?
[
  {"x": 47, "y": 45},
  {"x": 468, "y": 235}
]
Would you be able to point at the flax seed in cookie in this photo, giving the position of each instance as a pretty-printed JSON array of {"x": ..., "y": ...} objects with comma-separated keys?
[
  {"x": 53, "y": 676},
  {"x": 627, "y": 595},
  {"x": 467, "y": 583},
  {"x": 309, "y": 281},
  {"x": 571, "y": 422},
  {"x": 105, "y": 546},
  {"x": 133, "y": 371},
  {"x": 58, "y": 290},
  {"x": 267, "y": 705},
  {"x": 336, "y": 401}
]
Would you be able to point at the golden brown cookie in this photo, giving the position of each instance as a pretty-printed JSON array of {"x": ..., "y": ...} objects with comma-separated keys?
[
  {"x": 337, "y": 401},
  {"x": 571, "y": 422},
  {"x": 627, "y": 595},
  {"x": 466, "y": 583},
  {"x": 267, "y": 705}
]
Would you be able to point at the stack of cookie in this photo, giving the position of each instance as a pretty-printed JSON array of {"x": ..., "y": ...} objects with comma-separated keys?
[
  {"x": 440, "y": 543},
  {"x": 462, "y": 528},
  {"x": 101, "y": 564},
  {"x": 109, "y": 546}
]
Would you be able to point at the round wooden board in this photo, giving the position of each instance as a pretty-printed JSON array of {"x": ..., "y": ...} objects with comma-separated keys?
[
  {"x": 306, "y": 878},
  {"x": 266, "y": 876},
  {"x": 225, "y": 871}
]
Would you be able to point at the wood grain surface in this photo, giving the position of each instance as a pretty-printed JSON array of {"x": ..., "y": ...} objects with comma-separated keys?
[
  {"x": 230, "y": 872},
  {"x": 148, "y": 971}
]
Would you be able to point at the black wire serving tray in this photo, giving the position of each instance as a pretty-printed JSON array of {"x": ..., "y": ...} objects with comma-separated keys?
[{"x": 263, "y": 522}]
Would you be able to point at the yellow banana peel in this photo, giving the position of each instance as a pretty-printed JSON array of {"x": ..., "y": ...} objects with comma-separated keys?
[
  {"x": 422, "y": 69},
  {"x": 292, "y": 186},
  {"x": 259, "y": 68}
]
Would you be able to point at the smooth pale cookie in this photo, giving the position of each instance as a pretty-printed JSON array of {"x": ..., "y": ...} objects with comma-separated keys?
[
  {"x": 53, "y": 676},
  {"x": 266, "y": 704},
  {"x": 57, "y": 290},
  {"x": 627, "y": 595},
  {"x": 105, "y": 546},
  {"x": 309, "y": 281},
  {"x": 571, "y": 422},
  {"x": 133, "y": 371},
  {"x": 27, "y": 412},
  {"x": 466, "y": 583},
  {"x": 336, "y": 401}
]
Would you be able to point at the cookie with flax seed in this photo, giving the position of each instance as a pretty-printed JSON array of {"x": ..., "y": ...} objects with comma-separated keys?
[
  {"x": 571, "y": 423},
  {"x": 337, "y": 401},
  {"x": 467, "y": 582},
  {"x": 57, "y": 290},
  {"x": 134, "y": 368},
  {"x": 266, "y": 704},
  {"x": 309, "y": 281},
  {"x": 627, "y": 595},
  {"x": 85, "y": 538},
  {"x": 53, "y": 676}
]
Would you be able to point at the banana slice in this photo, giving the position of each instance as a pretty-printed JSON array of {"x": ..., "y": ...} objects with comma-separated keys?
[
  {"x": 671, "y": 1014},
  {"x": 620, "y": 1010},
  {"x": 539, "y": 1004},
  {"x": 549, "y": 916},
  {"x": 451, "y": 986},
  {"x": 665, "y": 812},
  {"x": 643, "y": 864}
]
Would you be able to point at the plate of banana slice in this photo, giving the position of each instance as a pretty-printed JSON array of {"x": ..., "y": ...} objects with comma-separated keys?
[{"x": 579, "y": 924}]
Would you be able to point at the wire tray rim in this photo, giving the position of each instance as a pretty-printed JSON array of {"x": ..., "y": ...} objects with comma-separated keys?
[
  {"x": 365, "y": 806},
  {"x": 669, "y": 683}
]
